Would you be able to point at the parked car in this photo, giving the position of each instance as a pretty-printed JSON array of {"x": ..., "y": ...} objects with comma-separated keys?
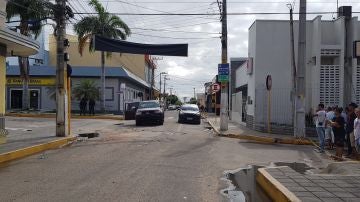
[
  {"x": 149, "y": 112},
  {"x": 172, "y": 107},
  {"x": 189, "y": 113},
  {"x": 130, "y": 110}
]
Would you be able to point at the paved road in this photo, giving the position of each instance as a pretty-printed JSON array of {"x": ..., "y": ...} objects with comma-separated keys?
[{"x": 174, "y": 162}]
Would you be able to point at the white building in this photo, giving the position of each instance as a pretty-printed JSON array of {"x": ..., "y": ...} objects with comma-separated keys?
[{"x": 269, "y": 53}]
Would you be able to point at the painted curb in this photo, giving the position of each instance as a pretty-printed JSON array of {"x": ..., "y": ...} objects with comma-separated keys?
[
  {"x": 53, "y": 116},
  {"x": 263, "y": 139},
  {"x": 27, "y": 151},
  {"x": 273, "y": 188}
]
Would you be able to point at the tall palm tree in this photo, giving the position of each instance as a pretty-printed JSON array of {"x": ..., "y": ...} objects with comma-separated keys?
[
  {"x": 30, "y": 12},
  {"x": 103, "y": 24}
]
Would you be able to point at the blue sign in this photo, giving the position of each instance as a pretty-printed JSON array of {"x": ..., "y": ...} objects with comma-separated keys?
[
  {"x": 223, "y": 69},
  {"x": 223, "y": 72}
]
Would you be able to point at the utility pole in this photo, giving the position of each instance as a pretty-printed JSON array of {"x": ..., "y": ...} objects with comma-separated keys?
[
  {"x": 61, "y": 103},
  {"x": 224, "y": 86},
  {"x": 164, "y": 97},
  {"x": 194, "y": 93},
  {"x": 299, "y": 128},
  {"x": 293, "y": 66},
  {"x": 160, "y": 85}
]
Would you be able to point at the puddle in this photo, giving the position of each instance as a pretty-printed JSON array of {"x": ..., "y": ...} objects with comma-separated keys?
[
  {"x": 243, "y": 186},
  {"x": 298, "y": 167}
]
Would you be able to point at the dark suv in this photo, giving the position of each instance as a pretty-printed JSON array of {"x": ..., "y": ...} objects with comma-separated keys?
[{"x": 149, "y": 112}]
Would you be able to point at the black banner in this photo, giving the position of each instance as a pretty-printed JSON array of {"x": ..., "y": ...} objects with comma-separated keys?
[{"x": 112, "y": 45}]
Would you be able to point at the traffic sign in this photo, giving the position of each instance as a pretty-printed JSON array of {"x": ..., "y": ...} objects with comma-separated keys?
[
  {"x": 215, "y": 87},
  {"x": 223, "y": 72}
]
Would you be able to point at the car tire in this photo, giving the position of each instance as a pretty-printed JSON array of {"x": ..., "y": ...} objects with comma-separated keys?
[
  {"x": 179, "y": 121},
  {"x": 199, "y": 122},
  {"x": 138, "y": 123},
  {"x": 162, "y": 122}
]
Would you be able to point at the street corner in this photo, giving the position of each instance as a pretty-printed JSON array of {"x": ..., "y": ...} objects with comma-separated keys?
[{"x": 28, "y": 151}]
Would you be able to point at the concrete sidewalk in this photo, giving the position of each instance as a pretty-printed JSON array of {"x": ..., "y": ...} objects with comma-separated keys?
[
  {"x": 236, "y": 130},
  {"x": 285, "y": 184}
]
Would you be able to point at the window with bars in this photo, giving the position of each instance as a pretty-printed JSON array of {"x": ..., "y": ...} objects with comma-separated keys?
[
  {"x": 357, "y": 84},
  {"x": 330, "y": 85}
]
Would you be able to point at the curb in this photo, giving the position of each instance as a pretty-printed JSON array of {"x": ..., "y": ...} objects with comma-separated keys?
[
  {"x": 53, "y": 116},
  {"x": 273, "y": 188},
  {"x": 263, "y": 139},
  {"x": 27, "y": 151}
]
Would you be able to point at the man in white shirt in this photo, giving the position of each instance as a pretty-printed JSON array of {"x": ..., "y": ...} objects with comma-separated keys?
[{"x": 320, "y": 126}]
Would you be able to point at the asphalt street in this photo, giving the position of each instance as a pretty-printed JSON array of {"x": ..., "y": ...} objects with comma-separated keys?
[{"x": 173, "y": 162}]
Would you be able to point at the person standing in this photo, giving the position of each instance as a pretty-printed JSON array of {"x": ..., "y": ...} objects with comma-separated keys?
[
  {"x": 329, "y": 135},
  {"x": 357, "y": 131},
  {"x": 92, "y": 107},
  {"x": 83, "y": 103},
  {"x": 320, "y": 126},
  {"x": 338, "y": 126},
  {"x": 350, "y": 138}
]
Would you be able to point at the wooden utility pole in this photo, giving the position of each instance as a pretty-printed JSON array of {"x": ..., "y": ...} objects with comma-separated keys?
[
  {"x": 293, "y": 65},
  {"x": 224, "y": 86},
  {"x": 61, "y": 82},
  {"x": 299, "y": 129}
]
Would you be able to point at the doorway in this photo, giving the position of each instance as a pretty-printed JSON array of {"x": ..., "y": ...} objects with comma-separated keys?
[
  {"x": 16, "y": 96},
  {"x": 16, "y": 99}
]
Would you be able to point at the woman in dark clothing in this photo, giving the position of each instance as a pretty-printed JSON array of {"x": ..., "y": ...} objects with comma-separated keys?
[{"x": 338, "y": 126}]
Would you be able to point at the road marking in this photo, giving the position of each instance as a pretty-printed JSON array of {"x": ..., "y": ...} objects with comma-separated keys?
[{"x": 170, "y": 117}]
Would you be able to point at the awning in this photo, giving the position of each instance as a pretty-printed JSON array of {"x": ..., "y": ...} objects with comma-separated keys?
[{"x": 112, "y": 45}]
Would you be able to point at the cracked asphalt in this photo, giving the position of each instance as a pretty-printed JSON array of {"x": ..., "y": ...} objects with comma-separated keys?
[{"x": 173, "y": 162}]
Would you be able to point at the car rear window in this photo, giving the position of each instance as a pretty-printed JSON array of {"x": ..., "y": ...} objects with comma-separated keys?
[
  {"x": 148, "y": 105},
  {"x": 189, "y": 108}
]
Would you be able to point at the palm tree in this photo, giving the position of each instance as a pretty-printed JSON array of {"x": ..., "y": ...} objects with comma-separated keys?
[
  {"x": 30, "y": 12},
  {"x": 86, "y": 89},
  {"x": 103, "y": 24}
]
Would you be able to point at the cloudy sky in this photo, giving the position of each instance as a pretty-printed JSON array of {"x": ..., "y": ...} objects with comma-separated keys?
[{"x": 200, "y": 32}]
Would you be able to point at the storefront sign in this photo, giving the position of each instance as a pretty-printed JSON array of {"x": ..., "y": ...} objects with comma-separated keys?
[{"x": 32, "y": 81}]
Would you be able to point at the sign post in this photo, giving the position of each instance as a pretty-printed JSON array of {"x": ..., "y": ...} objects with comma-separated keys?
[{"x": 223, "y": 78}]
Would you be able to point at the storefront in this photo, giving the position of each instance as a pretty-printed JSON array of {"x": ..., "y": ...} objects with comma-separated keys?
[
  {"x": 121, "y": 86},
  {"x": 37, "y": 87}
]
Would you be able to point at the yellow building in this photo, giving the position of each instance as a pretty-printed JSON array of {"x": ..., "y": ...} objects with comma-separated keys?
[{"x": 11, "y": 43}]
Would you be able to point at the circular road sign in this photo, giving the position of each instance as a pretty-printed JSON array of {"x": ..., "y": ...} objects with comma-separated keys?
[{"x": 215, "y": 87}]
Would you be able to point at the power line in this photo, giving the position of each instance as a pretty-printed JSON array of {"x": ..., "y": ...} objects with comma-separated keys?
[
  {"x": 231, "y": 2},
  {"x": 167, "y": 30},
  {"x": 216, "y": 14},
  {"x": 173, "y": 37}
]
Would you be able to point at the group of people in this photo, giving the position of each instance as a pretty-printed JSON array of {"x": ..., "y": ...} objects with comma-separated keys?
[
  {"x": 337, "y": 127},
  {"x": 83, "y": 105}
]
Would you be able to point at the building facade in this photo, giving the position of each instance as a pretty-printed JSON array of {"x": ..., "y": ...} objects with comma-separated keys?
[
  {"x": 11, "y": 43},
  {"x": 128, "y": 78},
  {"x": 327, "y": 54}
]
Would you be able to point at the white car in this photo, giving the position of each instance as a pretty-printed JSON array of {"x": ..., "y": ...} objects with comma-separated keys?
[{"x": 172, "y": 107}]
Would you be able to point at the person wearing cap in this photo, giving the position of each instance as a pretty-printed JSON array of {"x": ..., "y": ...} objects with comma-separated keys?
[{"x": 350, "y": 138}]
